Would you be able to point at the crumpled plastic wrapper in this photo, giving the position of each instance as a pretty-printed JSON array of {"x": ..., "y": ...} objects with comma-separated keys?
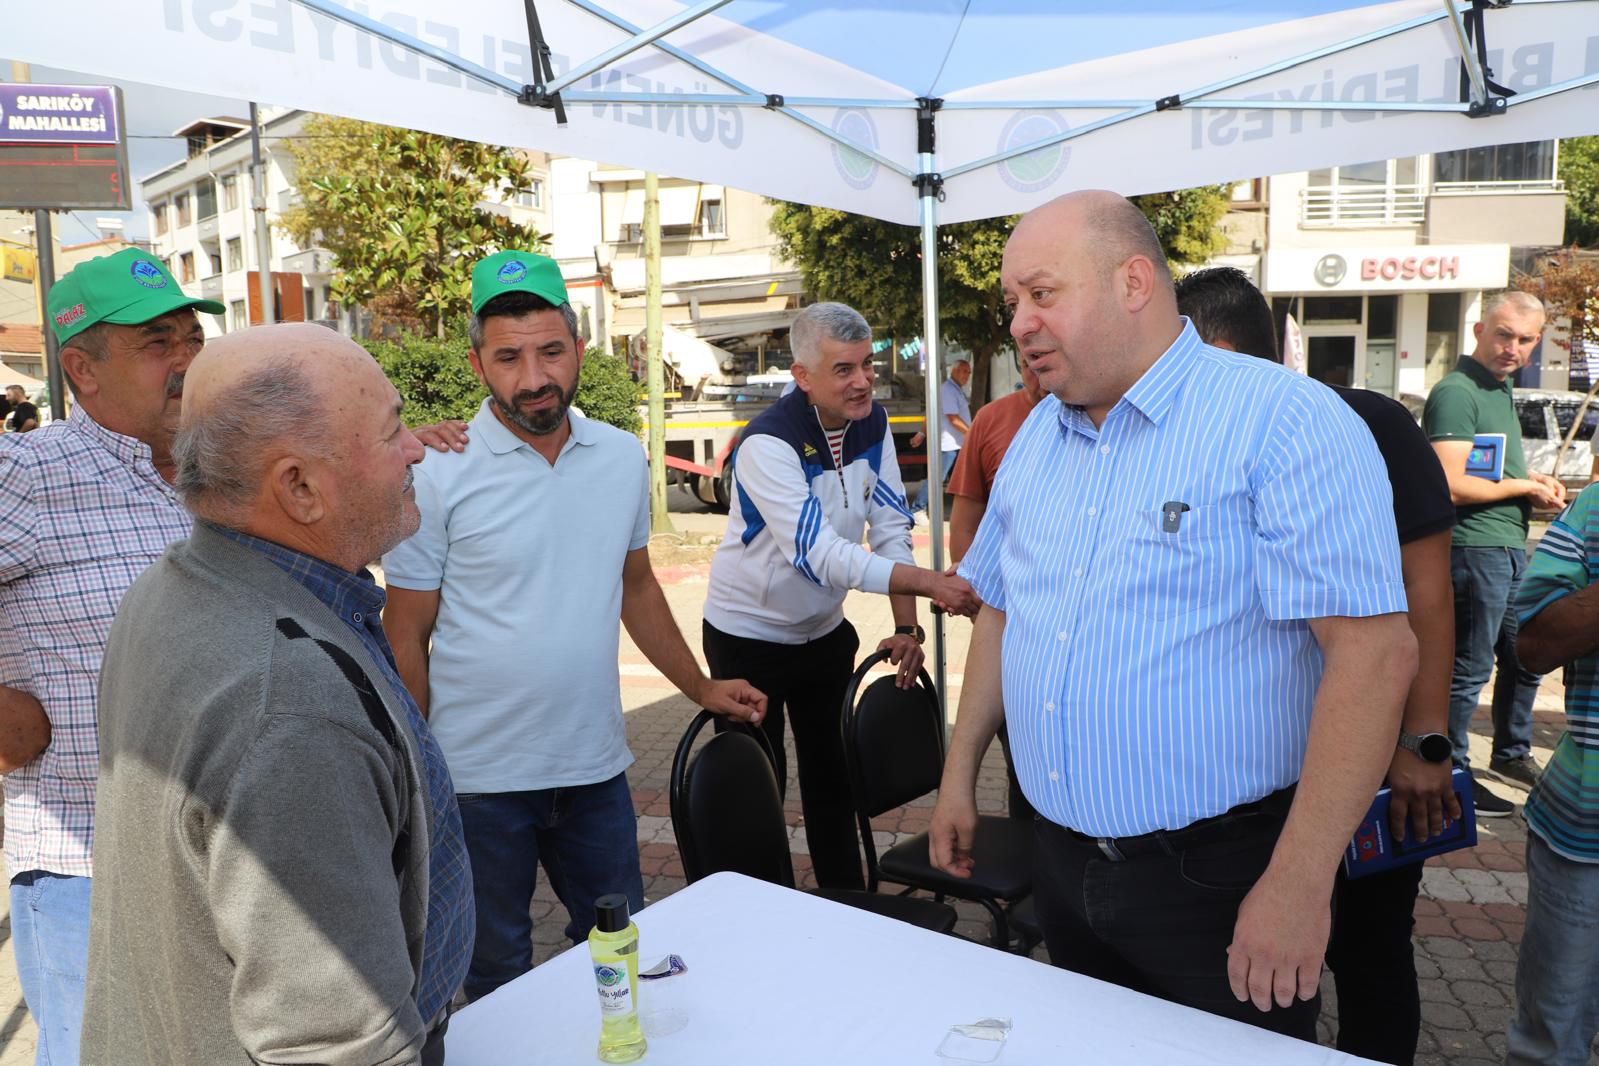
[{"x": 981, "y": 1041}]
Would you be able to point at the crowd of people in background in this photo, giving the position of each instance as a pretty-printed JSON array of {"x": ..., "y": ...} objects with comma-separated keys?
[{"x": 259, "y": 807}]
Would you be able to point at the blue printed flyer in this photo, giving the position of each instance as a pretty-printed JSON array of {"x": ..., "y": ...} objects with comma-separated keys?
[{"x": 1374, "y": 848}]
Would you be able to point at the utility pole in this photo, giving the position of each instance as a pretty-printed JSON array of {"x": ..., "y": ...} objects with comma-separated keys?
[
  {"x": 263, "y": 235},
  {"x": 660, "y": 520},
  {"x": 44, "y": 276}
]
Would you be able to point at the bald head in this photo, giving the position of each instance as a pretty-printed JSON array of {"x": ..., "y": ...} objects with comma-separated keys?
[
  {"x": 292, "y": 433},
  {"x": 245, "y": 397},
  {"x": 1090, "y": 295}
]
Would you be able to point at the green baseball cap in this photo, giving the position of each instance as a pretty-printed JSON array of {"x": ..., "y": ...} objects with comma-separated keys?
[
  {"x": 127, "y": 288},
  {"x": 514, "y": 271}
]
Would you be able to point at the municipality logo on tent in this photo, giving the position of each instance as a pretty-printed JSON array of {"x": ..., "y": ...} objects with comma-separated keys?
[
  {"x": 858, "y": 170},
  {"x": 148, "y": 274},
  {"x": 1037, "y": 170},
  {"x": 512, "y": 272}
]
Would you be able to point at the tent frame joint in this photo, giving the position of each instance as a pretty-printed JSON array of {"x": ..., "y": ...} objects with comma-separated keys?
[
  {"x": 1169, "y": 103},
  {"x": 929, "y": 185},
  {"x": 1494, "y": 105},
  {"x": 774, "y": 102}
]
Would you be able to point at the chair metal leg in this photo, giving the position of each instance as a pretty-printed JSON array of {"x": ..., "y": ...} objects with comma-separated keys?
[{"x": 1001, "y": 925}]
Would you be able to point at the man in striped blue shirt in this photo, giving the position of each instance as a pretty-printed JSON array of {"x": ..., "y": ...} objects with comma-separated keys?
[{"x": 1193, "y": 626}]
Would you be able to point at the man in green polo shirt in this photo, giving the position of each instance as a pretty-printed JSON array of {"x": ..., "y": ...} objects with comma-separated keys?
[{"x": 1471, "y": 421}]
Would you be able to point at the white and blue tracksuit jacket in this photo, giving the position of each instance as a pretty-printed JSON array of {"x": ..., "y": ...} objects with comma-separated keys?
[{"x": 793, "y": 544}]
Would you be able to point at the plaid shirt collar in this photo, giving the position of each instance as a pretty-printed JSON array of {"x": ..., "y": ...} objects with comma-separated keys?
[
  {"x": 131, "y": 452},
  {"x": 354, "y": 597}
]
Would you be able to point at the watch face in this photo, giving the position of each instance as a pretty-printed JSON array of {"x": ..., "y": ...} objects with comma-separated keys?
[{"x": 1434, "y": 747}]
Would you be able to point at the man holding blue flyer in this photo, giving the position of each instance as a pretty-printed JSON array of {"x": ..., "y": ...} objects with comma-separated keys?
[{"x": 1471, "y": 421}]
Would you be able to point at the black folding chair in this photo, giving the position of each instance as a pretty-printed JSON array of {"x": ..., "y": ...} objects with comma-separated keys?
[
  {"x": 894, "y": 748},
  {"x": 728, "y": 815}
]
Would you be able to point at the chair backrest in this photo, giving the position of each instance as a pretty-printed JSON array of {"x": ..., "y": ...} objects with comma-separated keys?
[
  {"x": 726, "y": 809},
  {"x": 893, "y": 740}
]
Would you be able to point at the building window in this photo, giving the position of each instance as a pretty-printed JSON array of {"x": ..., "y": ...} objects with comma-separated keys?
[
  {"x": 205, "y": 199},
  {"x": 186, "y": 267},
  {"x": 533, "y": 195},
  {"x": 158, "y": 218},
  {"x": 1249, "y": 193},
  {"x": 238, "y": 314},
  {"x": 181, "y": 201},
  {"x": 1530, "y": 161},
  {"x": 713, "y": 222},
  {"x": 215, "y": 259},
  {"x": 1443, "y": 335},
  {"x": 1384, "y": 192},
  {"x": 230, "y": 192},
  {"x": 235, "y": 253}
]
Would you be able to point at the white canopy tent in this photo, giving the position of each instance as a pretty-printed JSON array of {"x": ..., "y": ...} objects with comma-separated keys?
[{"x": 907, "y": 110}]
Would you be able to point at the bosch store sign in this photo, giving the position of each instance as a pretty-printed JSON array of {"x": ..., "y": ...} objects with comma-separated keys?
[{"x": 1410, "y": 268}]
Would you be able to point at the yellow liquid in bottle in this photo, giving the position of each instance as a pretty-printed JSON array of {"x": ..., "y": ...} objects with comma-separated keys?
[{"x": 615, "y": 958}]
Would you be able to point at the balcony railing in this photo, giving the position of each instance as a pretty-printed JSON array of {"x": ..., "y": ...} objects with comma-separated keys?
[
  {"x": 1470, "y": 188},
  {"x": 1328, "y": 206}
]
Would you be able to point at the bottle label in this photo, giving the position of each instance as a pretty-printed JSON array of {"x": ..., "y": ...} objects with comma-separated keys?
[{"x": 616, "y": 991}]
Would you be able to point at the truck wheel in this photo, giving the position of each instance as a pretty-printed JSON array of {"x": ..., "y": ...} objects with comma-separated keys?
[{"x": 719, "y": 489}]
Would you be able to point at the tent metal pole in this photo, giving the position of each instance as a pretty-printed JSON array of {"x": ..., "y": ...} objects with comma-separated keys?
[
  {"x": 929, "y": 187},
  {"x": 384, "y": 32},
  {"x": 641, "y": 39},
  {"x": 776, "y": 103},
  {"x": 1529, "y": 95},
  {"x": 1468, "y": 55}
]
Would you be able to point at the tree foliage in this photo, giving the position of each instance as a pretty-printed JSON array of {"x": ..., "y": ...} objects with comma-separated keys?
[
  {"x": 437, "y": 381},
  {"x": 402, "y": 213},
  {"x": 1568, "y": 284},
  {"x": 876, "y": 267},
  {"x": 1579, "y": 169},
  {"x": 607, "y": 393}
]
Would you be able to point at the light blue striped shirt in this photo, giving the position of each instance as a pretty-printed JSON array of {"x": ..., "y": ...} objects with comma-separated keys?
[{"x": 1153, "y": 675}]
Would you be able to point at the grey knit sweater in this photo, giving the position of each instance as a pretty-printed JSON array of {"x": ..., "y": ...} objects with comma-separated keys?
[{"x": 260, "y": 853}]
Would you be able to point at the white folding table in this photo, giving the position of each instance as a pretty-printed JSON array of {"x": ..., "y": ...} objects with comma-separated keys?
[{"x": 777, "y": 976}]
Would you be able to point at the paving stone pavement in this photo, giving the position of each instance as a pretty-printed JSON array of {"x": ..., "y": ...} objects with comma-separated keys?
[{"x": 1469, "y": 918}]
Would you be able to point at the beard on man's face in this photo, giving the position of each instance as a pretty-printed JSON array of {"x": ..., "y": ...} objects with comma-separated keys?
[{"x": 540, "y": 422}]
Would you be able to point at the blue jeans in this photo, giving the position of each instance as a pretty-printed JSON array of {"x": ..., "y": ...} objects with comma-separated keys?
[
  {"x": 587, "y": 838},
  {"x": 50, "y": 934},
  {"x": 1486, "y": 580},
  {"x": 1557, "y": 975},
  {"x": 947, "y": 461}
]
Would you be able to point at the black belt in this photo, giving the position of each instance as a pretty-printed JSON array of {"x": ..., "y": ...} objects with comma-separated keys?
[{"x": 1175, "y": 841}]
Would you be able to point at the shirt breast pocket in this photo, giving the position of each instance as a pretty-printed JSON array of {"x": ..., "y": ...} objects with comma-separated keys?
[{"x": 1167, "y": 571}]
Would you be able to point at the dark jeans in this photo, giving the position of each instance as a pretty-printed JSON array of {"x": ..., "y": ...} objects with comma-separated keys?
[
  {"x": 1374, "y": 965},
  {"x": 1017, "y": 805},
  {"x": 1159, "y": 921},
  {"x": 433, "y": 1050},
  {"x": 587, "y": 838},
  {"x": 1485, "y": 581},
  {"x": 808, "y": 682}
]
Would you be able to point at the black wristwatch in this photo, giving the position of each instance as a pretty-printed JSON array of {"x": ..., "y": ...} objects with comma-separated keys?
[
  {"x": 912, "y": 631},
  {"x": 1433, "y": 747}
]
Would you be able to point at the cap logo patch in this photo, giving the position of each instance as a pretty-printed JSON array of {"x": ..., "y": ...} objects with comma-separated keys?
[
  {"x": 512, "y": 272},
  {"x": 69, "y": 316},
  {"x": 148, "y": 274}
]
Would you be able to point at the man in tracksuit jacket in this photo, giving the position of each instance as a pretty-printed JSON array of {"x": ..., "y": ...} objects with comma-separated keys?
[{"x": 811, "y": 474}]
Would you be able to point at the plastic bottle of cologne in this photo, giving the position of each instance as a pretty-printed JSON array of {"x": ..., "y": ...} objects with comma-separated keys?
[{"x": 613, "y": 944}]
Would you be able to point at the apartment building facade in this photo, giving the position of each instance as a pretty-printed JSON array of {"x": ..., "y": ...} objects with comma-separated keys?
[{"x": 1383, "y": 265}]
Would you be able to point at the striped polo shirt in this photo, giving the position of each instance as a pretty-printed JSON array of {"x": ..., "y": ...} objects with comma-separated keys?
[
  {"x": 1563, "y": 808},
  {"x": 1158, "y": 575}
]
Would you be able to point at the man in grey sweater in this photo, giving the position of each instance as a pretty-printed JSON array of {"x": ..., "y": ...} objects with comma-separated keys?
[{"x": 279, "y": 869}]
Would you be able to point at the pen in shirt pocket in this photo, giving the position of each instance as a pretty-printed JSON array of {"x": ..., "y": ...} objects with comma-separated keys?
[{"x": 1171, "y": 515}]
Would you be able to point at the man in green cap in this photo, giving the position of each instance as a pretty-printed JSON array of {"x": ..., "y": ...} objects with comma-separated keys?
[
  {"x": 503, "y": 614},
  {"x": 86, "y": 504}
]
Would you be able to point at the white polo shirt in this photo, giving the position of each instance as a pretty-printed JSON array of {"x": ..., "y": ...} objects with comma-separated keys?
[{"x": 523, "y": 688}]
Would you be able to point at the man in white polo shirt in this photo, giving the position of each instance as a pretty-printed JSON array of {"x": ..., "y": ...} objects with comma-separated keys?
[{"x": 533, "y": 546}]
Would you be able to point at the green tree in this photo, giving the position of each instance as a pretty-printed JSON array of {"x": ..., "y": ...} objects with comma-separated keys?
[
  {"x": 432, "y": 375},
  {"x": 876, "y": 267},
  {"x": 402, "y": 212},
  {"x": 1579, "y": 169},
  {"x": 607, "y": 393}
]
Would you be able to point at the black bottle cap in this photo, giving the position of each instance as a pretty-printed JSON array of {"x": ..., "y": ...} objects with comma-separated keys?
[{"x": 610, "y": 913}]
